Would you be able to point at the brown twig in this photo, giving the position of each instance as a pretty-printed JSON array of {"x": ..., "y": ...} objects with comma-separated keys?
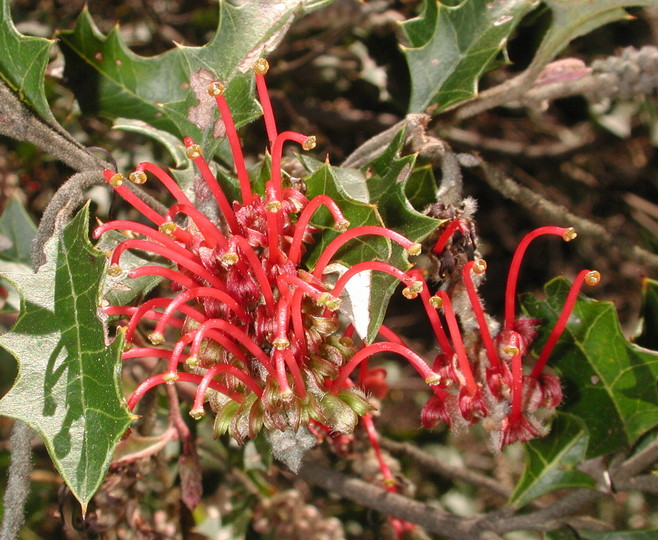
[
  {"x": 451, "y": 472},
  {"x": 541, "y": 206}
]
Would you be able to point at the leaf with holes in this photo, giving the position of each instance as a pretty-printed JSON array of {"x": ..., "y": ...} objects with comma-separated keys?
[
  {"x": 23, "y": 64},
  {"x": 67, "y": 387},
  {"x": 608, "y": 382},
  {"x": 452, "y": 46},
  {"x": 551, "y": 462}
]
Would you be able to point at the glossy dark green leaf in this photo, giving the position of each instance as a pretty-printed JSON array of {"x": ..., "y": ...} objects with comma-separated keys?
[
  {"x": 649, "y": 316},
  {"x": 574, "y": 18},
  {"x": 112, "y": 81},
  {"x": 608, "y": 382},
  {"x": 67, "y": 387},
  {"x": 23, "y": 62},
  {"x": 379, "y": 200},
  {"x": 452, "y": 46},
  {"x": 551, "y": 461}
]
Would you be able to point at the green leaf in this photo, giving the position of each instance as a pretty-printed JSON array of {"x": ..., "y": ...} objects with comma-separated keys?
[
  {"x": 116, "y": 82},
  {"x": 420, "y": 189},
  {"x": 381, "y": 201},
  {"x": 387, "y": 188},
  {"x": 67, "y": 387},
  {"x": 17, "y": 231},
  {"x": 452, "y": 46},
  {"x": 366, "y": 310},
  {"x": 608, "y": 382},
  {"x": 648, "y": 337},
  {"x": 574, "y": 18},
  {"x": 551, "y": 462},
  {"x": 23, "y": 64}
]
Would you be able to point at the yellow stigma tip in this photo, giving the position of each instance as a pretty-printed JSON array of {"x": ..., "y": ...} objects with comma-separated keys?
[
  {"x": 332, "y": 303},
  {"x": 480, "y": 266},
  {"x": 117, "y": 179},
  {"x": 409, "y": 293},
  {"x": 229, "y": 259},
  {"x": 592, "y": 278},
  {"x": 436, "y": 302},
  {"x": 156, "y": 338},
  {"x": 511, "y": 350},
  {"x": 414, "y": 249},
  {"x": 309, "y": 143},
  {"x": 342, "y": 226},
  {"x": 197, "y": 414},
  {"x": 216, "y": 89},
  {"x": 433, "y": 379},
  {"x": 114, "y": 270},
  {"x": 273, "y": 206},
  {"x": 261, "y": 66},
  {"x": 167, "y": 228},
  {"x": 137, "y": 177},
  {"x": 569, "y": 234},
  {"x": 281, "y": 343},
  {"x": 193, "y": 151},
  {"x": 192, "y": 361},
  {"x": 170, "y": 378}
]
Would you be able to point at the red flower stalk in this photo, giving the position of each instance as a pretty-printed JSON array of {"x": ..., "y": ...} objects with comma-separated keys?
[{"x": 257, "y": 334}]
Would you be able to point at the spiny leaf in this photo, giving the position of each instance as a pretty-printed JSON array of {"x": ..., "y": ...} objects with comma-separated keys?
[
  {"x": 379, "y": 200},
  {"x": 608, "y": 382},
  {"x": 16, "y": 233},
  {"x": 452, "y": 46},
  {"x": 648, "y": 338},
  {"x": 550, "y": 462},
  {"x": 67, "y": 387},
  {"x": 23, "y": 64},
  {"x": 156, "y": 89},
  {"x": 574, "y": 18},
  {"x": 367, "y": 310}
]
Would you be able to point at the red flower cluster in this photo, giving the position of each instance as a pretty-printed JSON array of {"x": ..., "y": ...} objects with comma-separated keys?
[
  {"x": 257, "y": 333},
  {"x": 485, "y": 380},
  {"x": 260, "y": 335}
]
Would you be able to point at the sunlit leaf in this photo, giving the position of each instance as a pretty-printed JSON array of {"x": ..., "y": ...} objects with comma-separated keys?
[{"x": 67, "y": 387}]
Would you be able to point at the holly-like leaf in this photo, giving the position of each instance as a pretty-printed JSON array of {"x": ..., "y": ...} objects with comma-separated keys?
[
  {"x": 378, "y": 200},
  {"x": 23, "y": 64},
  {"x": 156, "y": 90},
  {"x": 16, "y": 233},
  {"x": 366, "y": 310},
  {"x": 608, "y": 382},
  {"x": 67, "y": 387},
  {"x": 574, "y": 18},
  {"x": 648, "y": 337},
  {"x": 420, "y": 189},
  {"x": 551, "y": 462},
  {"x": 452, "y": 46}
]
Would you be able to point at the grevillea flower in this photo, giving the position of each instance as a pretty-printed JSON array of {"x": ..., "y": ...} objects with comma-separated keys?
[
  {"x": 486, "y": 379},
  {"x": 256, "y": 332}
]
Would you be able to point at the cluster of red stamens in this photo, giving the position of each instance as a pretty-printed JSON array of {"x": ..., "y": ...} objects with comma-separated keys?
[
  {"x": 484, "y": 379},
  {"x": 260, "y": 336},
  {"x": 257, "y": 333}
]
